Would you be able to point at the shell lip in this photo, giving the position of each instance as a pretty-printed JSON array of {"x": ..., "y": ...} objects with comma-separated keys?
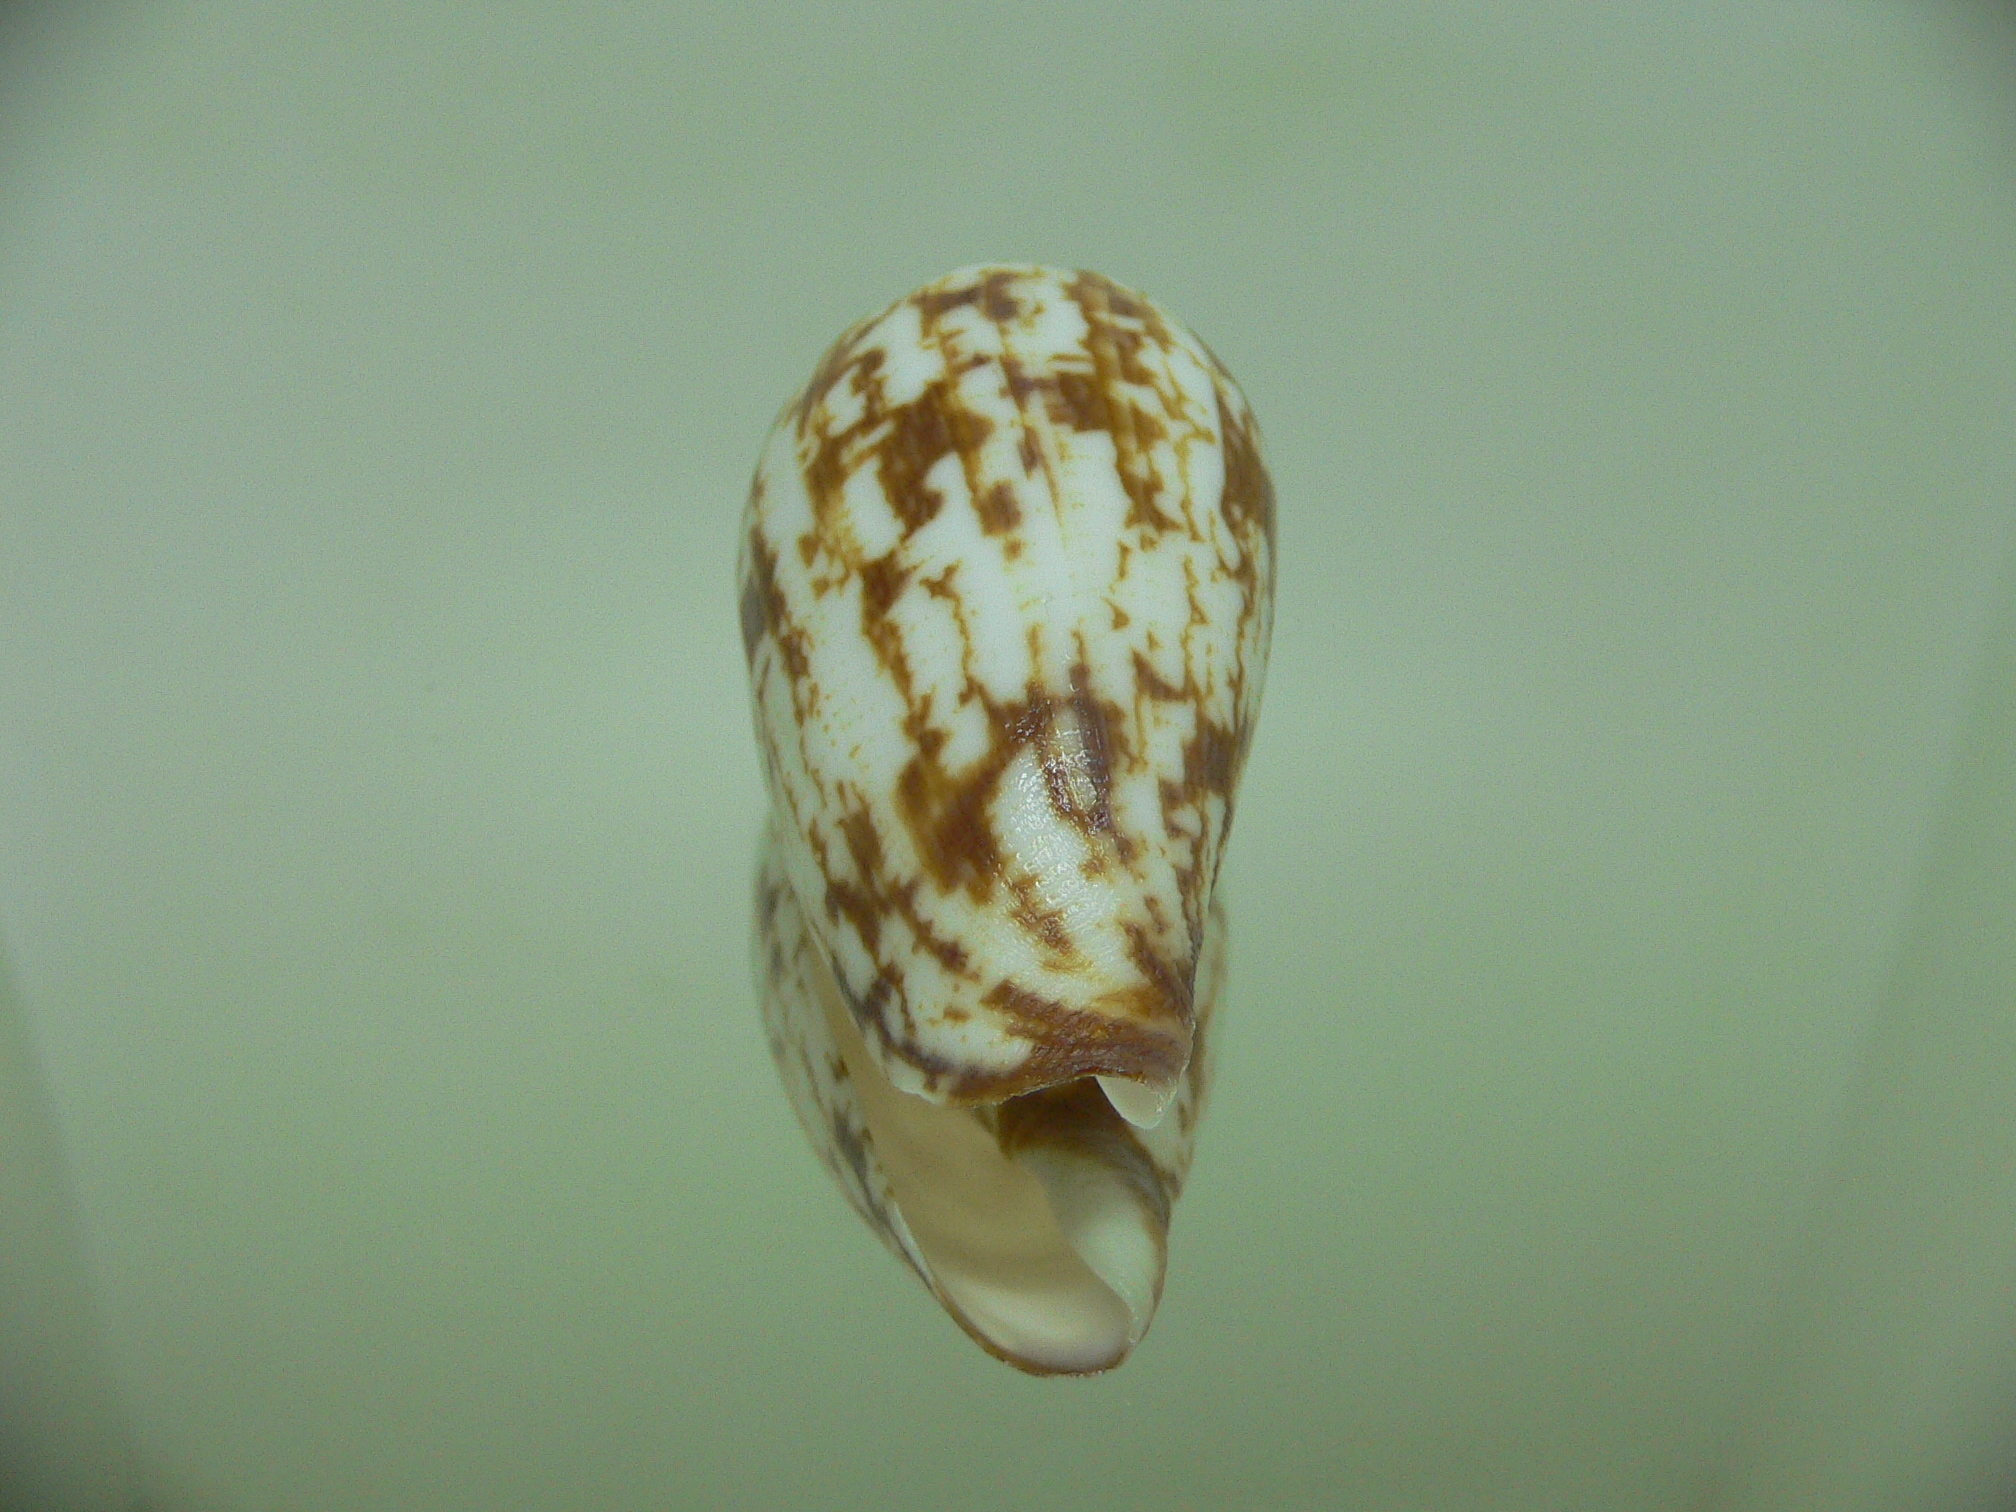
[
  {"x": 1041, "y": 1225},
  {"x": 1029, "y": 1365},
  {"x": 1141, "y": 1103},
  {"x": 1111, "y": 1209},
  {"x": 1137, "y": 1041},
  {"x": 1138, "y": 1067}
]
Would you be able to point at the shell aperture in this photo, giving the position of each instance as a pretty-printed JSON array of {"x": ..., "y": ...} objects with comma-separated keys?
[{"x": 1006, "y": 587}]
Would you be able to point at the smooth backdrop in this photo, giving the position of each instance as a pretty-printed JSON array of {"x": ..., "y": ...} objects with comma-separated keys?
[{"x": 379, "y": 384}]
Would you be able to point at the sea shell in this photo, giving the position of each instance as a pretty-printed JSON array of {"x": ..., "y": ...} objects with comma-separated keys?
[{"x": 1006, "y": 588}]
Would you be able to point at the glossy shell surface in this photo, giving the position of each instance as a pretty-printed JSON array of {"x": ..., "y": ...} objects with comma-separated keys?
[
  {"x": 1006, "y": 593},
  {"x": 1006, "y": 584}
]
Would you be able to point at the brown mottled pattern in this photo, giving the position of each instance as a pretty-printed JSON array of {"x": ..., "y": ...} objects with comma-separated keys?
[
  {"x": 789, "y": 970},
  {"x": 1006, "y": 587},
  {"x": 792, "y": 979}
]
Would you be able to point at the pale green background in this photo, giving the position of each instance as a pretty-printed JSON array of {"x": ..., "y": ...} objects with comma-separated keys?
[{"x": 378, "y": 389}]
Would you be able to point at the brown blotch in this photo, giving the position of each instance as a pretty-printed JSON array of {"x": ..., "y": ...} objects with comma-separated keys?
[
  {"x": 946, "y": 815},
  {"x": 946, "y": 812},
  {"x": 1039, "y": 921},
  {"x": 765, "y": 612},
  {"x": 997, "y": 509},
  {"x": 1211, "y": 759},
  {"x": 1164, "y": 987},
  {"x": 1129, "y": 325},
  {"x": 1117, "y": 328},
  {"x": 877, "y": 896},
  {"x": 1120, "y": 301},
  {"x": 1249, "y": 492},
  {"x": 858, "y": 907},
  {"x": 839, "y": 361},
  {"x": 922, "y": 433},
  {"x": 1067, "y": 1043},
  {"x": 1063, "y": 1044},
  {"x": 993, "y": 295},
  {"x": 852, "y": 1145},
  {"x": 904, "y": 441},
  {"x": 882, "y": 583},
  {"x": 1075, "y": 399},
  {"x": 754, "y": 618},
  {"x": 831, "y": 460},
  {"x": 998, "y": 298},
  {"x": 1153, "y": 684},
  {"x": 868, "y": 1008},
  {"x": 769, "y": 897}
]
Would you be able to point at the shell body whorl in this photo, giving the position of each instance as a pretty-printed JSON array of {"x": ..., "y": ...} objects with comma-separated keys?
[{"x": 1006, "y": 588}]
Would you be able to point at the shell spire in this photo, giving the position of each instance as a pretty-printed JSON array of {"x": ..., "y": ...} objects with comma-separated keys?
[{"x": 1006, "y": 588}]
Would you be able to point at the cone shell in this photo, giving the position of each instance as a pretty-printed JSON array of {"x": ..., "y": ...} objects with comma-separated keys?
[{"x": 1006, "y": 587}]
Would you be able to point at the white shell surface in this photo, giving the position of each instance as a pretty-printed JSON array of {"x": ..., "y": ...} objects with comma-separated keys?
[
  {"x": 1040, "y": 1224},
  {"x": 1006, "y": 585}
]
